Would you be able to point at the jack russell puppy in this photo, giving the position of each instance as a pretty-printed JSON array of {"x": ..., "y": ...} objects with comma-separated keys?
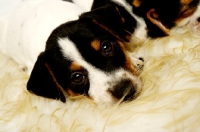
[{"x": 85, "y": 55}]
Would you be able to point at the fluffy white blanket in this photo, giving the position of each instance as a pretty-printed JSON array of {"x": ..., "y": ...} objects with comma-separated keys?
[{"x": 169, "y": 102}]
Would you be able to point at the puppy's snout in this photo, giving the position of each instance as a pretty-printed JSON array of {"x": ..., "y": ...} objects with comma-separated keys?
[{"x": 124, "y": 90}]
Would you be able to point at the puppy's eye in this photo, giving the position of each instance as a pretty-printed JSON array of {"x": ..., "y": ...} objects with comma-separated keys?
[
  {"x": 77, "y": 77},
  {"x": 107, "y": 47},
  {"x": 198, "y": 19}
]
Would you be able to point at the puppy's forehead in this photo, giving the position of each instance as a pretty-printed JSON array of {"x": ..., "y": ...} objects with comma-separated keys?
[
  {"x": 70, "y": 51},
  {"x": 84, "y": 46},
  {"x": 89, "y": 56}
]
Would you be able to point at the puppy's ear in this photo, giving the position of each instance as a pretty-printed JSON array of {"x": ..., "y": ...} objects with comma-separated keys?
[
  {"x": 153, "y": 16},
  {"x": 110, "y": 19},
  {"x": 42, "y": 82}
]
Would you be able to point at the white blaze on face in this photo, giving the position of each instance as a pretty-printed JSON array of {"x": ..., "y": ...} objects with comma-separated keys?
[{"x": 100, "y": 81}]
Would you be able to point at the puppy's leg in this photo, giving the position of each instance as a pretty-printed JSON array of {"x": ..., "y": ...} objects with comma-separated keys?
[{"x": 137, "y": 61}]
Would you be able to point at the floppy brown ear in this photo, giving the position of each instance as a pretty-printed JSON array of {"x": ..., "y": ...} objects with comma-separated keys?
[
  {"x": 41, "y": 81},
  {"x": 110, "y": 18},
  {"x": 154, "y": 18}
]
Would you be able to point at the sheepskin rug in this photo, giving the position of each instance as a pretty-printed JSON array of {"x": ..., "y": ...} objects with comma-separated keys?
[{"x": 169, "y": 102}]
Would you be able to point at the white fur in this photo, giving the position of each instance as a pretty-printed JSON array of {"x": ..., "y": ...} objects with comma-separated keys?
[
  {"x": 8, "y": 5},
  {"x": 24, "y": 31},
  {"x": 100, "y": 81},
  {"x": 193, "y": 24}
]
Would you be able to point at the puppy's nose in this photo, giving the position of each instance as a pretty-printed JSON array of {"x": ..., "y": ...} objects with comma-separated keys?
[{"x": 125, "y": 89}]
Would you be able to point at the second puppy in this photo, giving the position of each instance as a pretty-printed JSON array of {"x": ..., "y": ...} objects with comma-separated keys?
[{"x": 159, "y": 15}]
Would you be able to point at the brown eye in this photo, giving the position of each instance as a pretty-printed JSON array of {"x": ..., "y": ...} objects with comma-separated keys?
[
  {"x": 77, "y": 78},
  {"x": 107, "y": 47}
]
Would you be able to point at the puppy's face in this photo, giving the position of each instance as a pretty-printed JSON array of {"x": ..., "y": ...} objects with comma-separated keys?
[
  {"x": 164, "y": 14},
  {"x": 87, "y": 57}
]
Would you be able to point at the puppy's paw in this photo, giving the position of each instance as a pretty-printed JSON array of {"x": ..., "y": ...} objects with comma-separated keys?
[
  {"x": 138, "y": 62},
  {"x": 194, "y": 23}
]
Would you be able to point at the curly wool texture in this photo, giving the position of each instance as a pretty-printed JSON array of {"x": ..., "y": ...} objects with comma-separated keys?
[{"x": 169, "y": 102}]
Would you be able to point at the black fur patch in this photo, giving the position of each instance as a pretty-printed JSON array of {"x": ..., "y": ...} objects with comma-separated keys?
[
  {"x": 68, "y": 0},
  {"x": 99, "y": 3},
  {"x": 130, "y": 22}
]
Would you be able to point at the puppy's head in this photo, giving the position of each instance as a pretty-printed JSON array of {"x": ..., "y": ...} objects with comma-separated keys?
[
  {"x": 87, "y": 57},
  {"x": 162, "y": 15}
]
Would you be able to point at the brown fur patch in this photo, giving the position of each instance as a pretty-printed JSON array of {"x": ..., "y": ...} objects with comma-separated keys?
[
  {"x": 185, "y": 2},
  {"x": 153, "y": 17},
  {"x": 75, "y": 67},
  {"x": 71, "y": 93},
  {"x": 54, "y": 78},
  {"x": 128, "y": 65},
  {"x": 136, "y": 3},
  {"x": 96, "y": 45},
  {"x": 128, "y": 37},
  {"x": 52, "y": 75},
  {"x": 185, "y": 12}
]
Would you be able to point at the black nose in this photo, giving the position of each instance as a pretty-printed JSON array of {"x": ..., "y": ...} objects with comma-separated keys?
[{"x": 125, "y": 89}]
